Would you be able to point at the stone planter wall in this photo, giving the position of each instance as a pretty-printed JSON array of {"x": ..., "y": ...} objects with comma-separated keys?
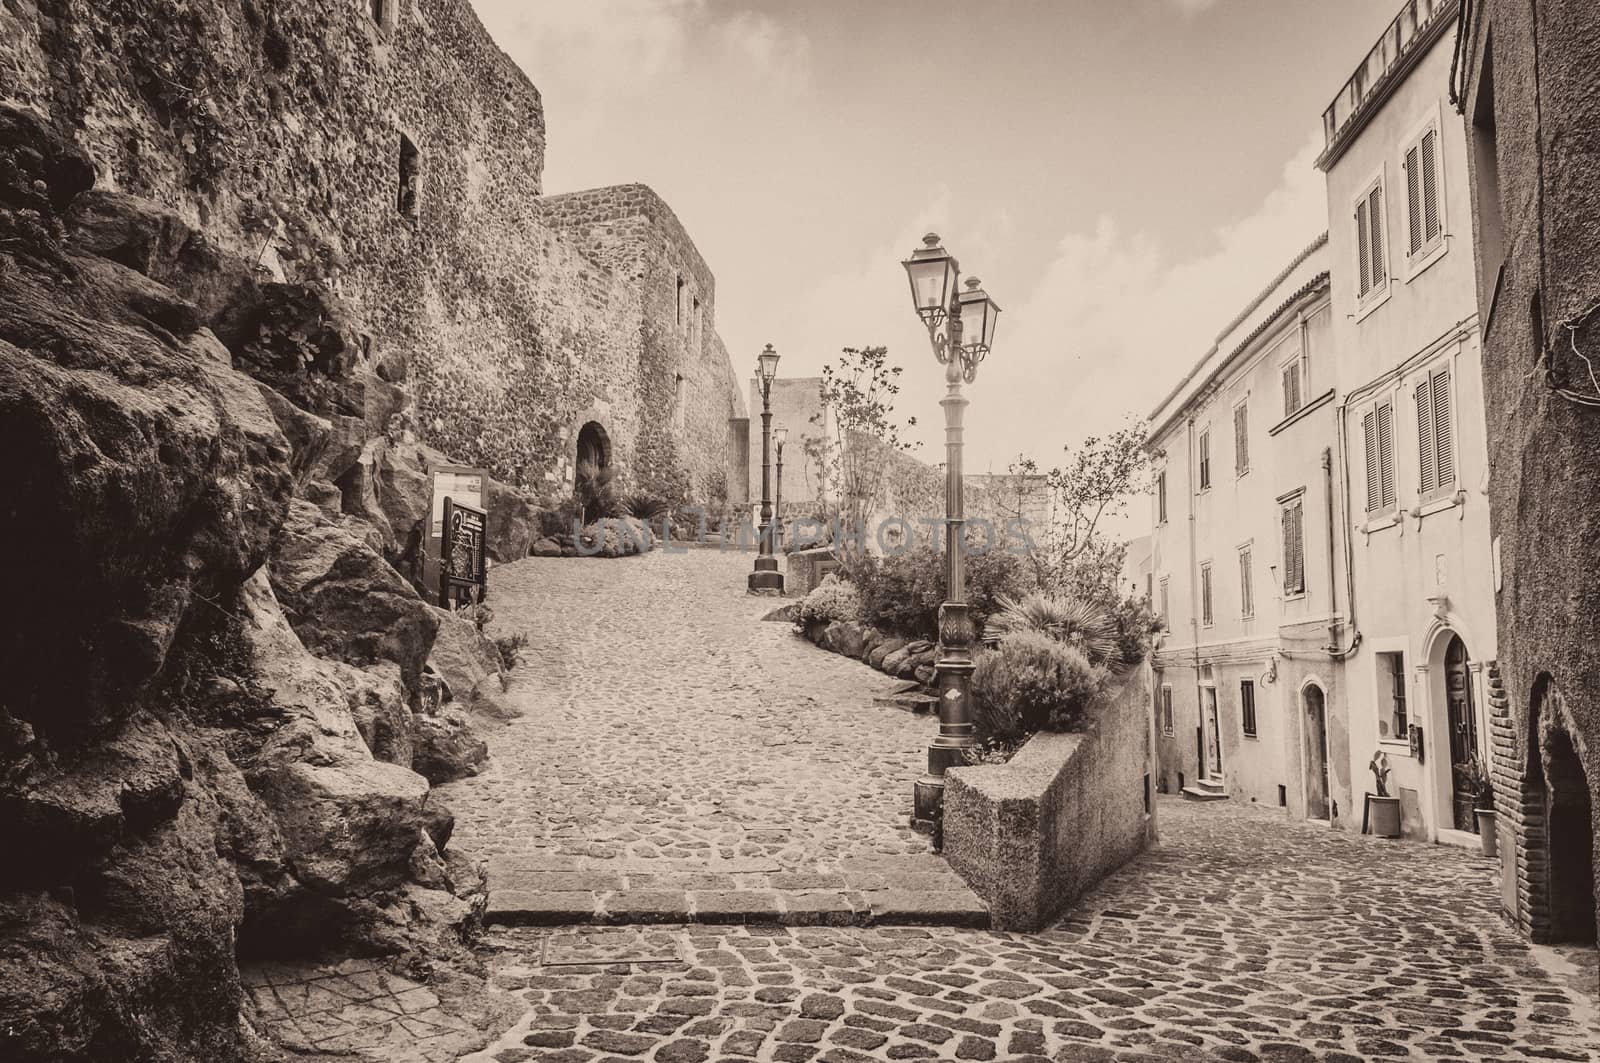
[
  {"x": 890, "y": 654},
  {"x": 1032, "y": 835}
]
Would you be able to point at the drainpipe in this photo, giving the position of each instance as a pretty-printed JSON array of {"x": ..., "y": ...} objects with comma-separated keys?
[
  {"x": 1333, "y": 574},
  {"x": 1194, "y": 595},
  {"x": 1334, "y": 650}
]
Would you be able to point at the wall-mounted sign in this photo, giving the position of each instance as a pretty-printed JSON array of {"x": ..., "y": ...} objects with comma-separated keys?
[
  {"x": 463, "y": 558},
  {"x": 467, "y": 486}
]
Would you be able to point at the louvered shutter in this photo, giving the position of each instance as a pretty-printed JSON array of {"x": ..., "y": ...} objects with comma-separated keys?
[
  {"x": 1247, "y": 597},
  {"x": 1291, "y": 387},
  {"x": 1375, "y": 218},
  {"x": 1241, "y": 440},
  {"x": 1205, "y": 460},
  {"x": 1385, "y": 414},
  {"x": 1443, "y": 445},
  {"x": 1430, "y": 185},
  {"x": 1363, "y": 249},
  {"x": 1414, "y": 198},
  {"x": 1205, "y": 595},
  {"x": 1369, "y": 432},
  {"x": 1298, "y": 523},
  {"x": 1288, "y": 549},
  {"x": 1428, "y": 478}
]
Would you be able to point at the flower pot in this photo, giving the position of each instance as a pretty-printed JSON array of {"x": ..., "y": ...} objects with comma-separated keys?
[
  {"x": 1487, "y": 835},
  {"x": 1385, "y": 816}
]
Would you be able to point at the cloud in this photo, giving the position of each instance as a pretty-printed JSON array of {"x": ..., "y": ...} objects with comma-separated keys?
[{"x": 1116, "y": 319}]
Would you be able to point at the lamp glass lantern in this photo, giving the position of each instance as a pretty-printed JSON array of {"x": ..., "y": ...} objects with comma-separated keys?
[
  {"x": 979, "y": 313},
  {"x": 932, "y": 273},
  {"x": 780, "y": 436},
  {"x": 767, "y": 365}
]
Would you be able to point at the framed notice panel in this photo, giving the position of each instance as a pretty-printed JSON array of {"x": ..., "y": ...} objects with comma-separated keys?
[
  {"x": 468, "y": 487},
  {"x": 463, "y": 559}
]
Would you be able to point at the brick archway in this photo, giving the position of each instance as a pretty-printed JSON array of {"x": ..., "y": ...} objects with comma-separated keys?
[{"x": 1556, "y": 856}]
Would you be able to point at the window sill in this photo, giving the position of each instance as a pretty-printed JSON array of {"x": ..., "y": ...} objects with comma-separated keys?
[
  {"x": 1253, "y": 738},
  {"x": 1297, "y": 596},
  {"x": 1420, "y": 263},
  {"x": 1380, "y": 522},
  {"x": 1399, "y": 746},
  {"x": 1315, "y": 404},
  {"x": 1373, "y": 300},
  {"x": 1440, "y": 503}
]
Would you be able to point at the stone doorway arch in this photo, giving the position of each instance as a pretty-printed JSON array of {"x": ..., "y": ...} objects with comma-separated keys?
[
  {"x": 592, "y": 469},
  {"x": 1557, "y": 824}
]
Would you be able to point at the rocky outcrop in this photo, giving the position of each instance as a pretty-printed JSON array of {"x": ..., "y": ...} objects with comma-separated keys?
[
  {"x": 188, "y": 766},
  {"x": 469, "y": 664}
]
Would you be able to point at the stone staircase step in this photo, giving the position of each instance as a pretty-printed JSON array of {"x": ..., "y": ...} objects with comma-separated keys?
[
  {"x": 1205, "y": 790},
  {"x": 910, "y": 701}
]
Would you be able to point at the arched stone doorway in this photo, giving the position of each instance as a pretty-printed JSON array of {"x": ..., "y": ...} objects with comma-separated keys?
[
  {"x": 1557, "y": 825},
  {"x": 1314, "y": 715},
  {"x": 1461, "y": 730},
  {"x": 592, "y": 469}
]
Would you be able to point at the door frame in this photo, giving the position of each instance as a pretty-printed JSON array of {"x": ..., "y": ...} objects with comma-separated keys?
[
  {"x": 1303, "y": 711},
  {"x": 1210, "y": 732}
]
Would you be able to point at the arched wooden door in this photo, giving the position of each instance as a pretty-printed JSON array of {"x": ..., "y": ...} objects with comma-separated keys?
[{"x": 1462, "y": 720}]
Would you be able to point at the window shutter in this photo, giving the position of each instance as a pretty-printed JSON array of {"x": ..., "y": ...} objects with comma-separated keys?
[
  {"x": 1293, "y": 551},
  {"x": 1431, "y": 224},
  {"x": 1205, "y": 595},
  {"x": 1363, "y": 250},
  {"x": 1241, "y": 439},
  {"x": 1291, "y": 387},
  {"x": 1247, "y": 602},
  {"x": 1369, "y": 430},
  {"x": 1375, "y": 218},
  {"x": 1443, "y": 446},
  {"x": 1299, "y": 549},
  {"x": 1385, "y": 414},
  {"x": 1414, "y": 198},
  {"x": 1205, "y": 460},
  {"x": 1425, "y": 439}
]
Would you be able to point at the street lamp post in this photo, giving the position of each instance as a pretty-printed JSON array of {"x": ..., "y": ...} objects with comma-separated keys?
[
  {"x": 766, "y": 576},
  {"x": 780, "y": 435},
  {"x": 935, "y": 291}
]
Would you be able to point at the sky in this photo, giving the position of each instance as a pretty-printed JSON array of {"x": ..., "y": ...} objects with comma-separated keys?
[{"x": 1123, "y": 175}]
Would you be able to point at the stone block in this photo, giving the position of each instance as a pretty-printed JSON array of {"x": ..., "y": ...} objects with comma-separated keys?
[
  {"x": 1032, "y": 835},
  {"x": 525, "y": 908},
  {"x": 735, "y": 906}
]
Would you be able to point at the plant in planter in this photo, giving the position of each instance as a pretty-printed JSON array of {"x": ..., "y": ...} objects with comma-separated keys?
[
  {"x": 1385, "y": 810},
  {"x": 1481, "y": 784}
]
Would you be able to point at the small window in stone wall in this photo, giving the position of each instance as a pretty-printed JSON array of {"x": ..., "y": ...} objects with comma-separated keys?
[
  {"x": 383, "y": 13},
  {"x": 410, "y": 177},
  {"x": 694, "y": 320},
  {"x": 680, "y": 298}
]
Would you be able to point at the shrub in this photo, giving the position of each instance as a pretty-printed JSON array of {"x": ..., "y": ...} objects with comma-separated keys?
[
  {"x": 563, "y": 519},
  {"x": 1137, "y": 625},
  {"x": 509, "y": 648},
  {"x": 902, "y": 592},
  {"x": 643, "y": 505},
  {"x": 993, "y": 575},
  {"x": 1033, "y": 683},
  {"x": 1086, "y": 626},
  {"x": 833, "y": 599}
]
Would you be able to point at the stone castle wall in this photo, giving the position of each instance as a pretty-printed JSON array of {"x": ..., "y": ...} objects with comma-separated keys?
[{"x": 276, "y": 129}]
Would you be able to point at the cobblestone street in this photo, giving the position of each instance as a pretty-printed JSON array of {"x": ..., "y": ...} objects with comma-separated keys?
[
  {"x": 677, "y": 755},
  {"x": 1242, "y": 937}
]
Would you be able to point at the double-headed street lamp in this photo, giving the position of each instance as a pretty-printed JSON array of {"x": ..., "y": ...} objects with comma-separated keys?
[
  {"x": 766, "y": 576},
  {"x": 961, "y": 330},
  {"x": 780, "y": 435}
]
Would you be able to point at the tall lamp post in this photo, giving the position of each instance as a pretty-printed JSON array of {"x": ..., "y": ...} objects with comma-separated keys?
[
  {"x": 780, "y": 435},
  {"x": 961, "y": 331},
  {"x": 766, "y": 576}
]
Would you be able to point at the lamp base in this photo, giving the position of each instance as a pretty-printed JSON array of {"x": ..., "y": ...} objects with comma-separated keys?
[
  {"x": 927, "y": 799},
  {"x": 766, "y": 579}
]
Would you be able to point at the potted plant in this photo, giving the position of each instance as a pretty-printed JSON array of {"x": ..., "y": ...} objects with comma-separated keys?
[
  {"x": 1385, "y": 810},
  {"x": 1482, "y": 785}
]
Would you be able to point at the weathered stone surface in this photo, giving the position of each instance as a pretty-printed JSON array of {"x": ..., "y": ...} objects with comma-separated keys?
[
  {"x": 882, "y": 650},
  {"x": 845, "y": 637},
  {"x": 1031, "y": 835},
  {"x": 513, "y": 522},
  {"x": 308, "y": 435},
  {"x": 377, "y": 700},
  {"x": 466, "y": 659},
  {"x": 445, "y": 747},
  {"x": 344, "y": 600},
  {"x": 546, "y": 547}
]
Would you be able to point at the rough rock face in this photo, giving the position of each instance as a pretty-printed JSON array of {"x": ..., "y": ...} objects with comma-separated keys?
[
  {"x": 345, "y": 600},
  {"x": 470, "y": 666},
  {"x": 180, "y": 777}
]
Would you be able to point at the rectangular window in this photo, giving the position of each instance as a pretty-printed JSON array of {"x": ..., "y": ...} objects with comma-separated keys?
[
  {"x": 1292, "y": 391},
  {"x": 1205, "y": 459},
  {"x": 1247, "y": 706},
  {"x": 1205, "y": 595},
  {"x": 1377, "y": 429},
  {"x": 1247, "y": 590},
  {"x": 1435, "y": 446},
  {"x": 1161, "y": 497},
  {"x": 1424, "y": 221},
  {"x": 1371, "y": 253},
  {"x": 1166, "y": 711},
  {"x": 1294, "y": 548},
  {"x": 1241, "y": 439},
  {"x": 1392, "y": 723},
  {"x": 1166, "y": 599}
]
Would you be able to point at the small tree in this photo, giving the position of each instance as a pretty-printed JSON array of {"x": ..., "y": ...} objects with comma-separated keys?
[
  {"x": 1094, "y": 486},
  {"x": 859, "y": 394}
]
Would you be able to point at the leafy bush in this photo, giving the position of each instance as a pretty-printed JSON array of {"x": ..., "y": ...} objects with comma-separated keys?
[
  {"x": 509, "y": 648},
  {"x": 1033, "y": 683},
  {"x": 1137, "y": 625},
  {"x": 902, "y": 592},
  {"x": 643, "y": 505},
  {"x": 833, "y": 599},
  {"x": 1084, "y": 625}
]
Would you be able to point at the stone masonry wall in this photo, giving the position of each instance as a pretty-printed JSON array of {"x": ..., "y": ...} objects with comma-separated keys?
[
  {"x": 276, "y": 126},
  {"x": 1544, "y": 500}
]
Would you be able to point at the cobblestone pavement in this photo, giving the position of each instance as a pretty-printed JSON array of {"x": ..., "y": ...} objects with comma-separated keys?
[
  {"x": 1243, "y": 937},
  {"x": 677, "y": 759}
]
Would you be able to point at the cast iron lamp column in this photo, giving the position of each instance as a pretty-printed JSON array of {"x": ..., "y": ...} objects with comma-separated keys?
[
  {"x": 934, "y": 278},
  {"x": 780, "y": 435},
  {"x": 766, "y": 576}
]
